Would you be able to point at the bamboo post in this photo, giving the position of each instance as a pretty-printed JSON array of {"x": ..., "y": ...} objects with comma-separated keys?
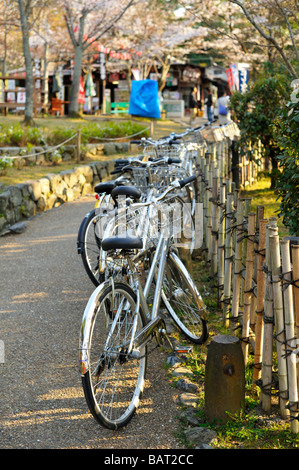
[
  {"x": 228, "y": 259},
  {"x": 244, "y": 251},
  {"x": 295, "y": 259},
  {"x": 279, "y": 323},
  {"x": 290, "y": 333},
  {"x": 215, "y": 210},
  {"x": 259, "y": 216},
  {"x": 209, "y": 211},
  {"x": 78, "y": 145},
  {"x": 268, "y": 330},
  {"x": 221, "y": 242},
  {"x": 238, "y": 262},
  {"x": 248, "y": 285},
  {"x": 260, "y": 281}
]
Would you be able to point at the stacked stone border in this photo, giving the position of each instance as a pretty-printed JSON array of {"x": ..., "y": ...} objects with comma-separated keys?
[{"x": 25, "y": 200}]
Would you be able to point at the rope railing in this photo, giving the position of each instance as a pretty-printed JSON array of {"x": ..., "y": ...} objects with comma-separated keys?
[{"x": 52, "y": 149}]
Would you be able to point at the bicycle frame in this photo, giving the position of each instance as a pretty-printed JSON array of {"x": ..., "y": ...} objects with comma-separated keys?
[{"x": 155, "y": 321}]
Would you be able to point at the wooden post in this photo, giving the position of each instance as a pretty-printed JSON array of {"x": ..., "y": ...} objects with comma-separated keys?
[
  {"x": 259, "y": 216},
  {"x": 228, "y": 259},
  {"x": 78, "y": 145},
  {"x": 268, "y": 330},
  {"x": 290, "y": 333},
  {"x": 248, "y": 284},
  {"x": 238, "y": 263},
  {"x": 244, "y": 252},
  {"x": 215, "y": 210},
  {"x": 260, "y": 301},
  {"x": 224, "y": 379},
  {"x": 221, "y": 242},
  {"x": 279, "y": 323},
  {"x": 295, "y": 259}
]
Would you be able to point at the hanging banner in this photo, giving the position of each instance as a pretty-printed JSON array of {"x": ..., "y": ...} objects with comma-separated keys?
[
  {"x": 243, "y": 77},
  {"x": 81, "y": 98},
  {"x": 235, "y": 74},
  {"x": 144, "y": 99},
  {"x": 230, "y": 79}
]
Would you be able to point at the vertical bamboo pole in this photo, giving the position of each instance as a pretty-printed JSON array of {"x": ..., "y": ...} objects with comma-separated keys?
[
  {"x": 248, "y": 285},
  {"x": 209, "y": 211},
  {"x": 228, "y": 259},
  {"x": 268, "y": 330},
  {"x": 221, "y": 241},
  {"x": 260, "y": 301},
  {"x": 78, "y": 145},
  {"x": 259, "y": 216},
  {"x": 215, "y": 210},
  {"x": 238, "y": 263},
  {"x": 279, "y": 323},
  {"x": 290, "y": 333},
  {"x": 247, "y": 205},
  {"x": 295, "y": 259}
]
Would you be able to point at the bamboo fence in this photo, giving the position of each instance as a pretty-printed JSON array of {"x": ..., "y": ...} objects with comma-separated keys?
[{"x": 257, "y": 275}]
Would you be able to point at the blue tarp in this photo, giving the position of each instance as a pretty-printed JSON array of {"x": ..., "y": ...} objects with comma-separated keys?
[{"x": 144, "y": 100}]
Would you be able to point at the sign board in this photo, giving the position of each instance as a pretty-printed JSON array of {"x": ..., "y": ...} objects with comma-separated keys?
[
  {"x": 174, "y": 108},
  {"x": 191, "y": 74}
]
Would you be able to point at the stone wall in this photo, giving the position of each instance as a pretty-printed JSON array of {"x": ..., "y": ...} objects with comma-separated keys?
[
  {"x": 25, "y": 200},
  {"x": 42, "y": 155}
]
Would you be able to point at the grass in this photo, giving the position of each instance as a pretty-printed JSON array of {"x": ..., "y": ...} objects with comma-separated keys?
[
  {"x": 261, "y": 195},
  {"x": 250, "y": 429}
]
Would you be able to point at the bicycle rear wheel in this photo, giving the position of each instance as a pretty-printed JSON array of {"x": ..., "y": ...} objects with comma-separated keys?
[
  {"x": 113, "y": 381},
  {"x": 183, "y": 301}
]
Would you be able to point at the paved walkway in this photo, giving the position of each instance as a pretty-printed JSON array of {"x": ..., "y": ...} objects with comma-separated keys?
[{"x": 44, "y": 290}]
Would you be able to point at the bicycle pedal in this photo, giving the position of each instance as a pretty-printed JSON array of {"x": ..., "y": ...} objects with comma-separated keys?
[{"x": 183, "y": 349}]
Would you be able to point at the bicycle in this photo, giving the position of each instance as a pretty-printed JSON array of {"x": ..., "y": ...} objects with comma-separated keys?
[
  {"x": 145, "y": 178},
  {"x": 119, "y": 322}
]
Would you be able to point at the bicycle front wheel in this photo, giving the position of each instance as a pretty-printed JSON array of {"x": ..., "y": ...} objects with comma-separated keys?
[
  {"x": 114, "y": 380},
  {"x": 183, "y": 301}
]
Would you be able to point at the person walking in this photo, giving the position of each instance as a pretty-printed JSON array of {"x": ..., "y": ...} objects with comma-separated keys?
[
  {"x": 195, "y": 105},
  {"x": 209, "y": 104},
  {"x": 224, "y": 114}
]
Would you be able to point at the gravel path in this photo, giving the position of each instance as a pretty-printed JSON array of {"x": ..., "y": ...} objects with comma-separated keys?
[{"x": 44, "y": 290}]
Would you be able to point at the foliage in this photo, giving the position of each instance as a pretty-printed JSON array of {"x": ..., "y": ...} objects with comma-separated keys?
[
  {"x": 256, "y": 111},
  {"x": 5, "y": 162},
  {"x": 287, "y": 129}
]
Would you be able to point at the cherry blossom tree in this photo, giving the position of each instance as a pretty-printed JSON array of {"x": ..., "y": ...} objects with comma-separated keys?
[
  {"x": 276, "y": 21},
  {"x": 87, "y": 21}
]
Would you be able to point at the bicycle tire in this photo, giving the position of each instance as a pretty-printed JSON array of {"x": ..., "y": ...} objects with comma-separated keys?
[
  {"x": 183, "y": 301},
  {"x": 113, "y": 383},
  {"x": 89, "y": 246}
]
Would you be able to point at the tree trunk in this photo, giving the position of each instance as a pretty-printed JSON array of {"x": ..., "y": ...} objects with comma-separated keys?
[
  {"x": 28, "y": 118},
  {"x": 74, "y": 105}
]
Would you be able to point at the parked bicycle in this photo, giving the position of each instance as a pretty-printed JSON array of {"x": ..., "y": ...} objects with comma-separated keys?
[{"x": 120, "y": 323}]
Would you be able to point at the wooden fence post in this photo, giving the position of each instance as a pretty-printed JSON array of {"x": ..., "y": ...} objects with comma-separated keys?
[
  {"x": 268, "y": 330},
  {"x": 238, "y": 263},
  {"x": 228, "y": 258},
  {"x": 289, "y": 332},
  {"x": 279, "y": 323},
  {"x": 248, "y": 285},
  {"x": 260, "y": 301},
  {"x": 215, "y": 210},
  {"x": 78, "y": 145},
  {"x": 295, "y": 260},
  {"x": 221, "y": 242}
]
